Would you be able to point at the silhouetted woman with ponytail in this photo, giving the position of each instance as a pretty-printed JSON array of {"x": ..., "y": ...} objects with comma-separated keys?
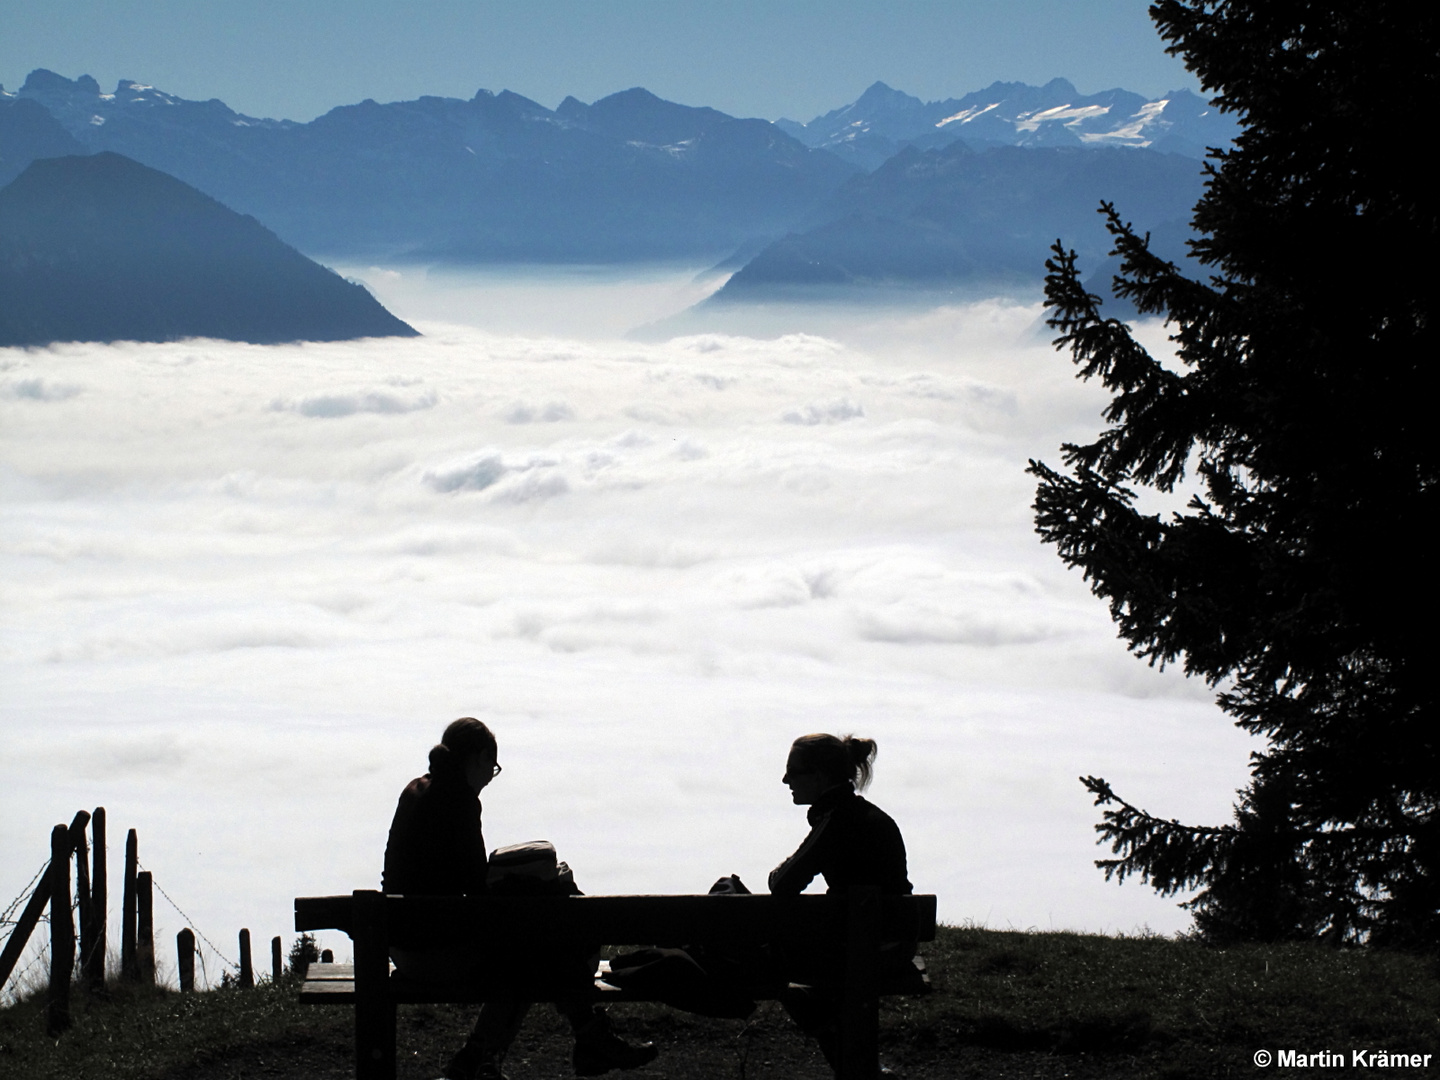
[{"x": 851, "y": 842}]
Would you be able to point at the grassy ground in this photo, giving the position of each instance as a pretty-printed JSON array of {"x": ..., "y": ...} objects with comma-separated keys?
[{"x": 1006, "y": 1005}]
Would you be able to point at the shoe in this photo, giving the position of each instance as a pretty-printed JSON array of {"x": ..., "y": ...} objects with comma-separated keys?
[{"x": 598, "y": 1049}]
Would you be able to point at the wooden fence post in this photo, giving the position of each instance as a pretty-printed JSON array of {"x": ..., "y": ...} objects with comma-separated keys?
[
  {"x": 94, "y": 959},
  {"x": 277, "y": 963},
  {"x": 145, "y": 927},
  {"x": 62, "y": 933},
  {"x": 247, "y": 974},
  {"x": 25, "y": 925},
  {"x": 82, "y": 898},
  {"x": 129, "y": 967},
  {"x": 185, "y": 959}
]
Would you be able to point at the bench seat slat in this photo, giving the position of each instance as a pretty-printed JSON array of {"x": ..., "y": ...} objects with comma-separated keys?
[
  {"x": 334, "y": 984},
  {"x": 327, "y": 992},
  {"x": 330, "y": 971}
]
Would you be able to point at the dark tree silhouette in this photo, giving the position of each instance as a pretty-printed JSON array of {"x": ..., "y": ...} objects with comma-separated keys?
[{"x": 1300, "y": 580}]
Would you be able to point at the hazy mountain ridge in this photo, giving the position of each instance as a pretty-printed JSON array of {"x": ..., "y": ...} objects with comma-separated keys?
[
  {"x": 956, "y": 218},
  {"x": 80, "y": 103},
  {"x": 29, "y": 131},
  {"x": 892, "y": 190},
  {"x": 102, "y": 248},
  {"x": 882, "y": 121},
  {"x": 494, "y": 178}
]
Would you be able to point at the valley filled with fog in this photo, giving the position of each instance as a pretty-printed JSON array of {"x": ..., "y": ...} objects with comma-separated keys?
[{"x": 246, "y": 587}]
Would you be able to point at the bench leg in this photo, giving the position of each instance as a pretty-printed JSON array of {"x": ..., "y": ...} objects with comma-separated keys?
[
  {"x": 374, "y": 1007},
  {"x": 374, "y": 1039},
  {"x": 860, "y": 1006}
]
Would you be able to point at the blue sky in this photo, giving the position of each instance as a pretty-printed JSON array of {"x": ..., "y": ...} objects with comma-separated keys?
[{"x": 766, "y": 58}]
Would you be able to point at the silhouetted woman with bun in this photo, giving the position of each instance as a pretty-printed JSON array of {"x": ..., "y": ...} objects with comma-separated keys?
[
  {"x": 852, "y": 842},
  {"x": 436, "y": 848}
]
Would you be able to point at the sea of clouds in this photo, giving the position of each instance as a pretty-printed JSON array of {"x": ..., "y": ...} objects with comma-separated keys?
[{"x": 245, "y": 587}]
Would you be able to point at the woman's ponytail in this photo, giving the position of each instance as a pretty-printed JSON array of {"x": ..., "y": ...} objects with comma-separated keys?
[{"x": 862, "y": 759}]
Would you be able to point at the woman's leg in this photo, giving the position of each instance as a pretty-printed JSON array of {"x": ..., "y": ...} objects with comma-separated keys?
[{"x": 816, "y": 1011}]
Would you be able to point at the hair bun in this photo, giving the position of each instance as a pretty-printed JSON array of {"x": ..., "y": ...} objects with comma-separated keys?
[
  {"x": 862, "y": 755},
  {"x": 442, "y": 758},
  {"x": 860, "y": 749}
]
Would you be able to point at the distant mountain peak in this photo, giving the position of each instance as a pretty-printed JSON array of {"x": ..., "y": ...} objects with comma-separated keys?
[
  {"x": 45, "y": 81},
  {"x": 879, "y": 89},
  {"x": 635, "y": 94},
  {"x": 878, "y": 94},
  {"x": 102, "y": 248},
  {"x": 520, "y": 102},
  {"x": 639, "y": 115},
  {"x": 570, "y": 107}
]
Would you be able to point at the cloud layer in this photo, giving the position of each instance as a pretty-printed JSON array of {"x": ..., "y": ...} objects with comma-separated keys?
[{"x": 247, "y": 586}]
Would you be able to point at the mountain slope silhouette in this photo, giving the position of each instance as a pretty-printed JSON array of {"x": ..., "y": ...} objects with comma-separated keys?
[{"x": 102, "y": 248}]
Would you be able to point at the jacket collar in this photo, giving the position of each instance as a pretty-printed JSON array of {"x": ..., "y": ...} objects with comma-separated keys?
[{"x": 827, "y": 802}]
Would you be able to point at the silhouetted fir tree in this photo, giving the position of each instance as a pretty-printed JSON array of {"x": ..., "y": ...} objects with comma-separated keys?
[{"x": 1300, "y": 579}]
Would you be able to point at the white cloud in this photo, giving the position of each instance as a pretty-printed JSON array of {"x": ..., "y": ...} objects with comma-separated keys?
[
  {"x": 533, "y": 487},
  {"x": 523, "y": 412},
  {"x": 827, "y": 412},
  {"x": 529, "y": 480},
  {"x": 331, "y": 406},
  {"x": 928, "y": 624},
  {"x": 38, "y": 390},
  {"x": 474, "y": 473}
]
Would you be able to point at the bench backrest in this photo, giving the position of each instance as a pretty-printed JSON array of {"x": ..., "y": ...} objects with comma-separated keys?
[{"x": 655, "y": 920}]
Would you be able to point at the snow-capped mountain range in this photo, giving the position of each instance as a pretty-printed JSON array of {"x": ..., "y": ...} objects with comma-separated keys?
[{"x": 881, "y": 121}]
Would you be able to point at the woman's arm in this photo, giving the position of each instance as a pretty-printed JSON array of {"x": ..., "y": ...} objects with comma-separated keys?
[{"x": 796, "y": 872}]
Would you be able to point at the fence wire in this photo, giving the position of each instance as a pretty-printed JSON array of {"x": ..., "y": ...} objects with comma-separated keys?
[
  {"x": 191, "y": 924},
  {"x": 7, "y": 917},
  {"x": 15, "y": 985}
]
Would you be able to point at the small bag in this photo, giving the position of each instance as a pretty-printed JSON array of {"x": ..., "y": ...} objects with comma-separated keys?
[
  {"x": 729, "y": 885},
  {"x": 706, "y": 980},
  {"x": 679, "y": 978},
  {"x": 531, "y": 867}
]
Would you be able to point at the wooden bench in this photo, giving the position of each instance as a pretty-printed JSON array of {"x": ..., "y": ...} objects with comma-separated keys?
[{"x": 861, "y": 921}]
